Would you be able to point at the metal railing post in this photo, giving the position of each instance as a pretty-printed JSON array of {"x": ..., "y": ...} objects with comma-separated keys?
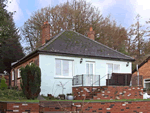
[
  {"x": 73, "y": 81},
  {"x": 92, "y": 82},
  {"x": 82, "y": 79},
  {"x": 125, "y": 80},
  {"x": 99, "y": 80},
  {"x": 108, "y": 79}
]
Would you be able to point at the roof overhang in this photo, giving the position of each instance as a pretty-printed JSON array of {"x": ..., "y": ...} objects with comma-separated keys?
[{"x": 88, "y": 56}]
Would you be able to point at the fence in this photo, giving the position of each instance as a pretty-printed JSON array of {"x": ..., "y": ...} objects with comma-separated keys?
[
  {"x": 117, "y": 79},
  {"x": 86, "y": 80}
]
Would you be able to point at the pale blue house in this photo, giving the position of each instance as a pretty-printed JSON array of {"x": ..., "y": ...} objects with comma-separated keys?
[{"x": 70, "y": 54}]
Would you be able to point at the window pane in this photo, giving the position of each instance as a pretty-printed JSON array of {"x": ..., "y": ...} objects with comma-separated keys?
[
  {"x": 70, "y": 68},
  {"x": 58, "y": 67},
  {"x": 116, "y": 68},
  {"x": 12, "y": 75},
  {"x": 91, "y": 68},
  {"x": 110, "y": 68},
  {"x": 87, "y": 68},
  {"x": 65, "y": 68},
  {"x": 19, "y": 73}
]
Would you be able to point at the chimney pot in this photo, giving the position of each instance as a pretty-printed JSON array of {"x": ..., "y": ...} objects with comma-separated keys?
[{"x": 91, "y": 33}]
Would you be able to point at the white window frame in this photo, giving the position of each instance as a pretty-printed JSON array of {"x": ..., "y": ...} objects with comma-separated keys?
[
  {"x": 112, "y": 69},
  {"x": 13, "y": 75},
  {"x": 146, "y": 82},
  {"x": 118, "y": 70},
  {"x": 87, "y": 80},
  {"x": 19, "y": 72},
  {"x": 88, "y": 62},
  {"x": 30, "y": 62},
  {"x": 61, "y": 75}
]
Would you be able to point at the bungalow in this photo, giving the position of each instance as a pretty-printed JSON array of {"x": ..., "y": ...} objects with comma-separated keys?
[{"x": 69, "y": 58}]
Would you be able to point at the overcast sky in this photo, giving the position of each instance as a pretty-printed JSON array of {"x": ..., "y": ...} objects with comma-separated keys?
[{"x": 123, "y": 11}]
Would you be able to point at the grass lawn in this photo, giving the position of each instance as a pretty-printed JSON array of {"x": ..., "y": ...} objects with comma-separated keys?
[
  {"x": 19, "y": 100},
  {"x": 124, "y": 100}
]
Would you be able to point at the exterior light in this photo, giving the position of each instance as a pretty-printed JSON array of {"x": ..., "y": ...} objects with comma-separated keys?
[
  {"x": 127, "y": 64},
  {"x": 81, "y": 60}
]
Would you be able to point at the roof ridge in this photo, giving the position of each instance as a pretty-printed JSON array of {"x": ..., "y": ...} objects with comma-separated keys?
[
  {"x": 103, "y": 45},
  {"x": 53, "y": 38}
]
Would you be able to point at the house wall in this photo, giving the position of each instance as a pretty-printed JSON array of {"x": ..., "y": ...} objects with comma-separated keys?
[
  {"x": 144, "y": 70},
  {"x": 49, "y": 82},
  {"x": 34, "y": 59}
]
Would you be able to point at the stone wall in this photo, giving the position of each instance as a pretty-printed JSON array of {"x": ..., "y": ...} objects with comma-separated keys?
[{"x": 108, "y": 93}]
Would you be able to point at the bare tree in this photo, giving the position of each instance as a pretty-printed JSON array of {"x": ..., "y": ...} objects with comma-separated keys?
[{"x": 77, "y": 15}]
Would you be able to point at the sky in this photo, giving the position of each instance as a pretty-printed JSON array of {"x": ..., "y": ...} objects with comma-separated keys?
[{"x": 123, "y": 11}]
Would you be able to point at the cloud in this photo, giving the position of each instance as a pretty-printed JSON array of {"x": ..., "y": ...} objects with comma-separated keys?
[
  {"x": 142, "y": 7},
  {"x": 44, "y": 3},
  {"x": 14, "y": 6},
  {"x": 28, "y": 12}
]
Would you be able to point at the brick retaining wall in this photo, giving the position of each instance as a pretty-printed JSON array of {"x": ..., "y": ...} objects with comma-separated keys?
[
  {"x": 19, "y": 107},
  {"x": 98, "y": 107},
  {"x": 108, "y": 92}
]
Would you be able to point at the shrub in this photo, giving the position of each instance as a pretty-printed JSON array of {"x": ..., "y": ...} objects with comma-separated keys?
[
  {"x": 10, "y": 94},
  {"x": 31, "y": 81},
  {"x": 3, "y": 84}
]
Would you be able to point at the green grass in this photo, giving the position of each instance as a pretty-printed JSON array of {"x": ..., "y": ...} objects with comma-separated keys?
[
  {"x": 19, "y": 100},
  {"x": 124, "y": 100}
]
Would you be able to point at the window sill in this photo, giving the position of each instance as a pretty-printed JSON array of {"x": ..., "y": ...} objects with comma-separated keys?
[{"x": 63, "y": 77}]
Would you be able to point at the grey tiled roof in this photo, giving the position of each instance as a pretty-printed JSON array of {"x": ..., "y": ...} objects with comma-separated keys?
[{"x": 70, "y": 42}]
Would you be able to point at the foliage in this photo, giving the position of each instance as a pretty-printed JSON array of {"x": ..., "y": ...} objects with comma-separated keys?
[
  {"x": 3, "y": 84},
  {"x": 9, "y": 39},
  {"x": 9, "y": 94},
  {"x": 31, "y": 81}
]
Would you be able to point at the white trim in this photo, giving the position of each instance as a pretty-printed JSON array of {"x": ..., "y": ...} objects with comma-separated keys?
[
  {"x": 69, "y": 77},
  {"x": 146, "y": 82},
  {"x": 19, "y": 72},
  {"x": 13, "y": 75}
]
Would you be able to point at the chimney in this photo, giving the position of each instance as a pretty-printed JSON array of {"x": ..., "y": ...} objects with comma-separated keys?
[
  {"x": 45, "y": 32},
  {"x": 91, "y": 33}
]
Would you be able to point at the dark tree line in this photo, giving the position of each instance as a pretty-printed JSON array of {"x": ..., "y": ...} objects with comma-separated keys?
[{"x": 10, "y": 47}]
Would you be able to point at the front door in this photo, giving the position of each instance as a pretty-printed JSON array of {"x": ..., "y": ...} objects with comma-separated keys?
[{"x": 90, "y": 66}]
